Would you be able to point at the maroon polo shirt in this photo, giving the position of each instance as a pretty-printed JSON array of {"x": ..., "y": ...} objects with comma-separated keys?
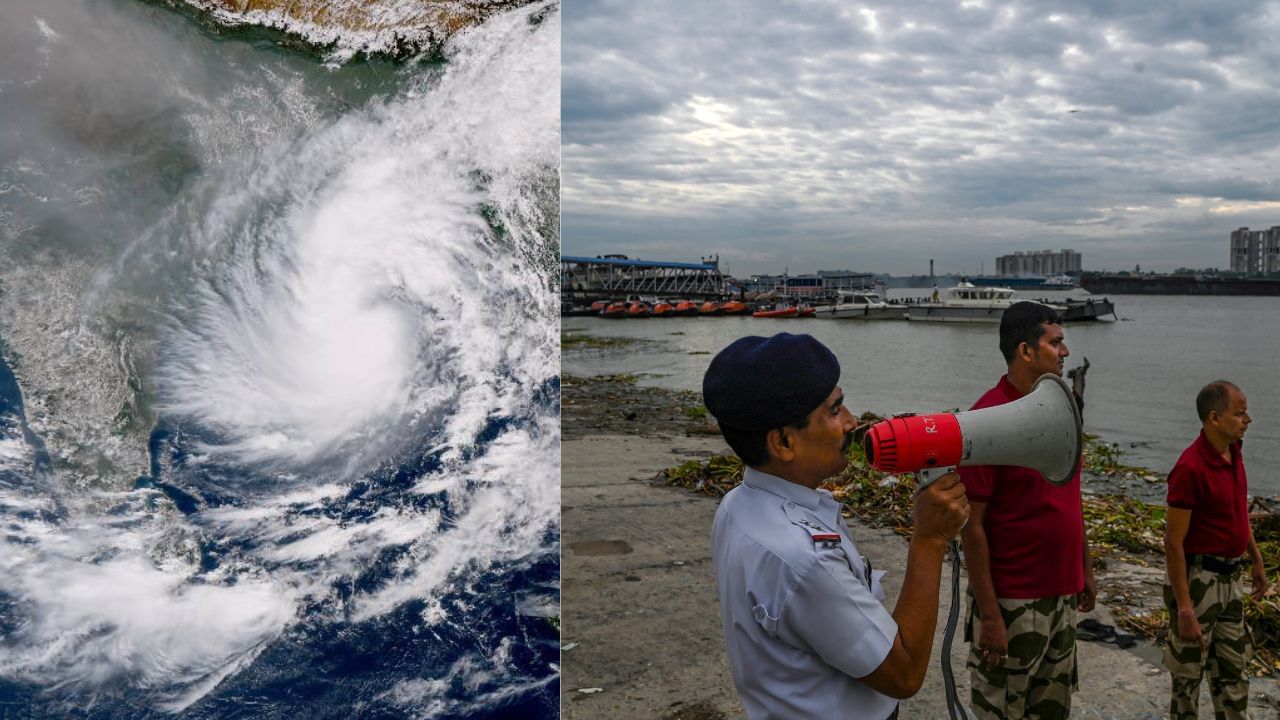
[
  {"x": 1217, "y": 494},
  {"x": 1035, "y": 531}
]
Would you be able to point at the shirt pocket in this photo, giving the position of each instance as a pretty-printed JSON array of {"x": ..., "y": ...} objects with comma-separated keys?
[{"x": 766, "y": 621}]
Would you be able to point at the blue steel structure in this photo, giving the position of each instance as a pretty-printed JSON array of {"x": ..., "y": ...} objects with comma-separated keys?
[{"x": 586, "y": 279}]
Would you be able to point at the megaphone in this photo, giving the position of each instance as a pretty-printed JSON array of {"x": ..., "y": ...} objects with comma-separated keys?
[{"x": 1042, "y": 431}]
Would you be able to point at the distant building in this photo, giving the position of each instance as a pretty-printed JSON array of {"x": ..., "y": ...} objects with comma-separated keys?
[
  {"x": 826, "y": 282},
  {"x": 1255, "y": 252},
  {"x": 1041, "y": 263},
  {"x": 835, "y": 280},
  {"x": 790, "y": 285}
]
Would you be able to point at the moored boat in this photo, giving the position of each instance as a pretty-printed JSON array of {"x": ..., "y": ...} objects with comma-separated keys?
[
  {"x": 664, "y": 309},
  {"x": 710, "y": 307},
  {"x": 967, "y": 303},
  {"x": 638, "y": 310},
  {"x": 789, "y": 311},
  {"x": 1088, "y": 309},
  {"x": 686, "y": 308},
  {"x": 614, "y": 311},
  {"x": 1026, "y": 282},
  {"x": 734, "y": 307},
  {"x": 861, "y": 305}
]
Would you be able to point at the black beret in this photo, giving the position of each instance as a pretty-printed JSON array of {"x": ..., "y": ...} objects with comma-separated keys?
[{"x": 759, "y": 384}]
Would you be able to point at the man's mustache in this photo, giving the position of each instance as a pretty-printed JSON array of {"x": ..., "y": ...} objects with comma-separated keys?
[{"x": 848, "y": 442}]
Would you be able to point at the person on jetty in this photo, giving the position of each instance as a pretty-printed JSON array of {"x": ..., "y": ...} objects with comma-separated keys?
[
  {"x": 1026, "y": 552},
  {"x": 1205, "y": 541},
  {"x": 806, "y": 633}
]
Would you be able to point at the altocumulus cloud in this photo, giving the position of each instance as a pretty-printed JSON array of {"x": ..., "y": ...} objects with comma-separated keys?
[{"x": 876, "y": 135}]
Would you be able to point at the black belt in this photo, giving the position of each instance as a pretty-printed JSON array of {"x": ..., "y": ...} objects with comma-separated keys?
[{"x": 1215, "y": 564}]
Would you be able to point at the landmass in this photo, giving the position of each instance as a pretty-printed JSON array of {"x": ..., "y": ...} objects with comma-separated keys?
[{"x": 393, "y": 28}]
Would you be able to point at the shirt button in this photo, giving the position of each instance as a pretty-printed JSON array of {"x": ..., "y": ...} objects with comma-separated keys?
[{"x": 791, "y": 504}]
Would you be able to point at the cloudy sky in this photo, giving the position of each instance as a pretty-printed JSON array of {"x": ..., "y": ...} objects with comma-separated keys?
[{"x": 873, "y": 136}]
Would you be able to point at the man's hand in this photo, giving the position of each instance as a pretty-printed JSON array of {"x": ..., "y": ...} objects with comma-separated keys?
[
  {"x": 941, "y": 509},
  {"x": 993, "y": 641},
  {"x": 1259, "y": 582},
  {"x": 1189, "y": 626},
  {"x": 1086, "y": 597}
]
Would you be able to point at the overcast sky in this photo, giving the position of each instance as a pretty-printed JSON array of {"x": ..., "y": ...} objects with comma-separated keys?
[{"x": 874, "y": 136}]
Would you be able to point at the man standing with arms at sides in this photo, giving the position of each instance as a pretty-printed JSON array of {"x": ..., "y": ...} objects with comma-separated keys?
[
  {"x": 1205, "y": 541},
  {"x": 805, "y": 630},
  {"x": 1026, "y": 553}
]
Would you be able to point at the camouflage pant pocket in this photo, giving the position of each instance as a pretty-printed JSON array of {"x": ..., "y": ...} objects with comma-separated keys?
[{"x": 1183, "y": 659}]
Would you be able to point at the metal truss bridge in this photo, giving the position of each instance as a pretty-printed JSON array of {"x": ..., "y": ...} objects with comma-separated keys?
[{"x": 584, "y": 279}]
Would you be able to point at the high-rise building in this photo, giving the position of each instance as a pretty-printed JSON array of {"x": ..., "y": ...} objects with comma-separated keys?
[
  {"x": 1040, "y": 262},
  {"x": 1255, "y": 252}
]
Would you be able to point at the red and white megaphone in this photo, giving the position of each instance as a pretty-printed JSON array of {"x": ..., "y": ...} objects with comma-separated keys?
[{"x": 1042, "y": 431}]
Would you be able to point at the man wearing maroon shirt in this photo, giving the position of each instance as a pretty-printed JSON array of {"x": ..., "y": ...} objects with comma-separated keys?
[
  {"x": 1205, "y": 541},
  {"x": 1026, "y": 552}
]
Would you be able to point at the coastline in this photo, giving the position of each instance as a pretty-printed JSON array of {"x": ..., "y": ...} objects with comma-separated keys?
[{"x": 641, "y": 632}]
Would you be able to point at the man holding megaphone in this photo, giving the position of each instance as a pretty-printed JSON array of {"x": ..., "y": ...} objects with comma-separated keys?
[
  {"x": 1026, "y": 551},
  {"x": 805, "y": 630}
]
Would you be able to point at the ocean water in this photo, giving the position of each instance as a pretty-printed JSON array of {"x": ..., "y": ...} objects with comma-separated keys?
[
  {"x": 1145, "y": 368},
  {"x": 279, "y": 399}
]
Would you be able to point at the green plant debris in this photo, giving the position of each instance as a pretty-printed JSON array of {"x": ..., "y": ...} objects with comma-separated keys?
[
  {"x": 616, "y": 379},
  {"x": 1104, "y": 458},
  {"x": 573, "y": 340},
  {"x": 1117, "y": 523},
  {"x": 696, "y": 412}
]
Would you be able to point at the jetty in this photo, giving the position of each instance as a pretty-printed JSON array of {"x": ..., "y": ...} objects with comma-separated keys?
[
  {"x": 584, "y": 280},
  {"x": 1123, "y": 284}
]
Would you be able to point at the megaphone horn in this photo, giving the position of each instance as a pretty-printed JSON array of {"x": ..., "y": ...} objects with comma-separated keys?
[{"x": 1042, "y": 431}]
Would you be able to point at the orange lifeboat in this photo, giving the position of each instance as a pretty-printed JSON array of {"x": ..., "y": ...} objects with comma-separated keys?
[
  {"x": 733, "y": 307},
  {"x": 614, "y": 311},
  {"x": 686, "y": 308},
  {"x": 783, "y": 312},
  {"x": 664, "y": 309},
  {"x": 598, "y": 306},
  {"x": 638, "y": 310},
  {"x": 710, "y": 307}
]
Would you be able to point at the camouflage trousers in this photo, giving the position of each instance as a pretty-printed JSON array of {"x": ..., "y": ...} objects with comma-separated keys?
[
  {"x": 1039, "y": 675},
  {"x": 1219, "y": 605}
]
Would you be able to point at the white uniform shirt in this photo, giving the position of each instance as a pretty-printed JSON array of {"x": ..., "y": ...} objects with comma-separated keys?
[{"x": 802, "y": 621}]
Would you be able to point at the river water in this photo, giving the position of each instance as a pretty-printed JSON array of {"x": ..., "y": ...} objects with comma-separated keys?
[
  {"x": 278, "y": 393},
  {"x": 1145, "y": 368}
]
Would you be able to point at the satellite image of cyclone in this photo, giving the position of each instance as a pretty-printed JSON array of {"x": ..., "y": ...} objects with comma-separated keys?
[{"x": 279, "y": 354}]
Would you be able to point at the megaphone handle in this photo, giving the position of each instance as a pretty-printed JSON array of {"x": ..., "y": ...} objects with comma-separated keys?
[{"x": 926, "y": 476}]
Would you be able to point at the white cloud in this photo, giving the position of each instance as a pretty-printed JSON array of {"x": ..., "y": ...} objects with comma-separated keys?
[{"x": 740, "y": 126}]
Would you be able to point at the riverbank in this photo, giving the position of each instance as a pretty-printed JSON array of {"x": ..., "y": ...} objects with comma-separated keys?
[{"x": 641, "y": 627}]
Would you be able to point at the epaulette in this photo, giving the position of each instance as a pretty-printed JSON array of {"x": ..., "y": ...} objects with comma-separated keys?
[{"x": 821, "y": 536}]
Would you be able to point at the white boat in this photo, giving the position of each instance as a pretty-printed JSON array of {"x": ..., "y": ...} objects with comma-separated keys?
[
  {"x": 860, "y": 305},
  {"x": 968, "y": 303}
]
